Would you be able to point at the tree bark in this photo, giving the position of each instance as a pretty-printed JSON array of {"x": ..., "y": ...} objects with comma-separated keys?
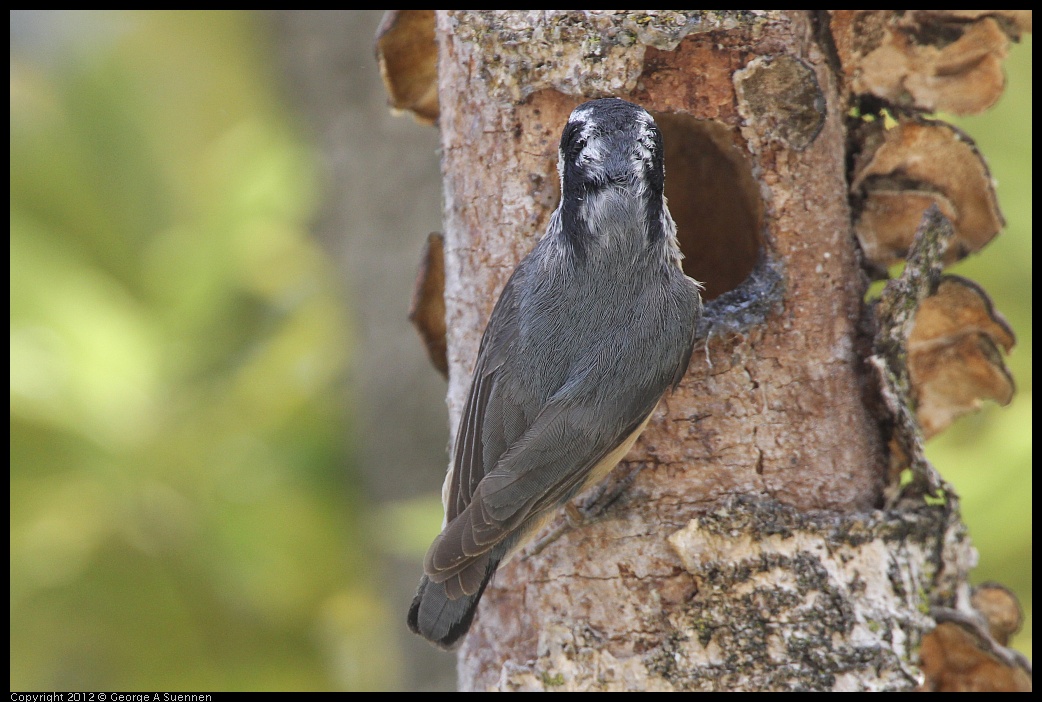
[{"x": 750, "y": 549}]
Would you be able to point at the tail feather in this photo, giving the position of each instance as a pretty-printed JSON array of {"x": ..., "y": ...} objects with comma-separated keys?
[{"x": 439, "y": 619}]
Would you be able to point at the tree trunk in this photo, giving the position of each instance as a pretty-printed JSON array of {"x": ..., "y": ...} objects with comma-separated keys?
[{"x": 751, "y": 548}]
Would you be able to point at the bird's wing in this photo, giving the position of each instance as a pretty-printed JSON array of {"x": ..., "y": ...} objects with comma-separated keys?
[
  {"x": 548, "y": 463},
  {"x": 468, "y": 459}
]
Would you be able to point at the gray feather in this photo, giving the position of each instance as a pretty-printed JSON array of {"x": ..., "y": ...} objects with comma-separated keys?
[{"x": 593, "y": 326}]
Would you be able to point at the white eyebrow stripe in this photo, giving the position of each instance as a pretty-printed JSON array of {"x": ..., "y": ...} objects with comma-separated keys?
[
  {"x": 580, "y": 113},
  {"x": 646, "y": 140}
]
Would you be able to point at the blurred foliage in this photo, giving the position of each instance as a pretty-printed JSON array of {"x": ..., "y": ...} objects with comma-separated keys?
[
  {"x": 987, "y": 456},
  {"x": 182, "y": 508}
]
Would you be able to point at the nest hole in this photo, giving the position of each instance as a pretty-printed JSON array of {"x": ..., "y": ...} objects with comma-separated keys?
[{"x": 714, "y": 200}]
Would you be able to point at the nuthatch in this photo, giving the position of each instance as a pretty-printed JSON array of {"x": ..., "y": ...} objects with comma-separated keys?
[{"x": 591, "y": 329}]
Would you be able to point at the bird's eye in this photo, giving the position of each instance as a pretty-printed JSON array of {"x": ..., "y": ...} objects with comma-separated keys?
[{"x": 580, "y": 148}]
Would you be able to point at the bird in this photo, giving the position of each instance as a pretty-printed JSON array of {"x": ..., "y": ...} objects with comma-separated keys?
[{"x": 591, "y": 330}]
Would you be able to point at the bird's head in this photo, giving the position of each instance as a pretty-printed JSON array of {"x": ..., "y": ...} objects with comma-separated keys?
[{"x": 612, "y": 175}]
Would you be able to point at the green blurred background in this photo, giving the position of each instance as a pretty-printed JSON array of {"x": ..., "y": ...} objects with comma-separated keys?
[{"x": 193, "y": 409}]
